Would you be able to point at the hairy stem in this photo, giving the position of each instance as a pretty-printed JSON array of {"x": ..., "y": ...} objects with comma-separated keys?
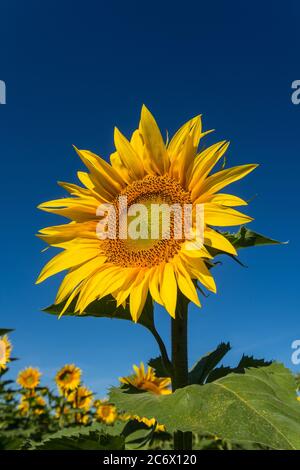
[{"x": 182, "y": 440}]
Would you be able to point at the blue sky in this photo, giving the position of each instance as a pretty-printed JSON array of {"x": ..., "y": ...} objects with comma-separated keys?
[{"x": 73, "y": 71}]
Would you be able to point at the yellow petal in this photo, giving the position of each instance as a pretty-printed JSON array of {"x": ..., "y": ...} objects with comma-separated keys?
[
  {"x": 93, "y": 288},
  {"x": 155, "y": 152},
  {"x": 66, "y": 260},
  {"x": 102, "y": 174},
  {"x": 185, "y": 284},
  {"x": 138, "y": 295},
  {"x": 61, "y": 233},
  {"x": 225, "y": 200},
  {"x": 203, "y": 274},
  {"x": 223, "y": 178},
  {"x": 124, "y": 292},
  {"x": 223, "y": 216},
  {"x": 154, "y": 285},
  {"x": 168, "y": 291},
  {"x": 137, "y": 142},
  {"x": 217, "y": 240},
  {"x": 128, "y": 155},
  {"x": 119, "y": 166},
  {"x": 203, "y": 165},
  {"x": 179, "y": 138},
  {"x": 77, "y": 275}
]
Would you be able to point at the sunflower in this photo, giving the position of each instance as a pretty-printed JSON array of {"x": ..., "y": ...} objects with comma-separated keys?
[
  {"x": 5, "y": 351},
  {"x": 62, "y": 411},
  {"x": 68, "y": 378},
  {"x": 147, "y": 380},
  {"x": 81, "y": 398},
  {"x": 36, "y": 403},
  {"x": 105, "y": 412},
  {"x": 148, "y": 172},
  {"x": 29, "y": 378},
  {"x": 148, "y": 422}
]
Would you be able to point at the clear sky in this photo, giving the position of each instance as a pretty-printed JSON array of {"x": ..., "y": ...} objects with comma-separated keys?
[{"x": 73, "y": 71}]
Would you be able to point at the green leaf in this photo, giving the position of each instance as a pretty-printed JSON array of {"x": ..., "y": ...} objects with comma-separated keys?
[
  {"x": 106, "y": 308},
  {"x": 5, "y": 331},
  {"x": 91, "y": 441},
  {"x": 245, "y": 363},
  {"x": 198, "y": 374},
  {"x": 258, "y": 407},
  {"x": 95, "y": 437},
  {"x": 245, "y": 238},
  {"x": 9, "y": 443},
  {"x": 137, "y": 435},
  {"x": 158, "y": 365}
]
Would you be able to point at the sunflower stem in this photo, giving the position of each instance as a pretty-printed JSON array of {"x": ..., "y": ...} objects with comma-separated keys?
[
  {"x": 182, "y": 440},
  {"x": 163, "y": 350}
]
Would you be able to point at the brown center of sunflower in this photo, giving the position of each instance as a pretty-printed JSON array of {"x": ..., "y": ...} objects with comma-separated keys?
[{"x": 155, "y": 194}]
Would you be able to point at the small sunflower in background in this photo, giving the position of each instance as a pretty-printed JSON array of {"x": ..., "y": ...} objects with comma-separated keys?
[
  {"x": 29, "y": 378},
  {"x": 147, "y": 380},
  {"x": 81, "y": 398},
  {"x": 105, "y": 412},
  {"x": 34, "y": 403},
  {"x": 150, "y": 423},
  {"x": 62, "y": 411},
  {"x": 5, "y": 352},
  {"x": 68, "y": 378}
]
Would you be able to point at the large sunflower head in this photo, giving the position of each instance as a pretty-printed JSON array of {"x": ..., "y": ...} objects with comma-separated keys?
[
  {"x": 147, "y": 380},
  {"x": 68, "y": 378},
  {"x": 132, "y": 259},
  {"x": 105, "y": 412},
  {"x": 29, "y": 378},
  {"x": 5, "y": 351}
]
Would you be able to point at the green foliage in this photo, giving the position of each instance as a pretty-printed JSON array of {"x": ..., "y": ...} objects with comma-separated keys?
[
  {"x": 244, "y": 238},
  {"x": 5, "y": 331},
  {"x": 158, "y": 365},
  {"x": 225, "y": 408},
  {"x": 106, "y": 308},
  {"x": 93, "y": 440},
  {"x": 258, "y": 407},
  {"x": 201, "y": 370},
  {"x": 245, "y": 363}
]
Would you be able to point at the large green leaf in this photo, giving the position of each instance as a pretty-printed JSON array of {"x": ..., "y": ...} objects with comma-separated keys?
[
  {"x": 95, "y": 437},
  {"x": 258, "y": 407},
  {"x": 106, "y": 308},
  {"x": 92, "y": 441},
  {"x": 245, "y": 363},
  {"x": 199, "y": 372}
]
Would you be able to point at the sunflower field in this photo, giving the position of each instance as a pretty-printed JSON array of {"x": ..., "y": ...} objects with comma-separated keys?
[
  {"x": 120, "y": 264},
  {"x": 260, "y": 396}
]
